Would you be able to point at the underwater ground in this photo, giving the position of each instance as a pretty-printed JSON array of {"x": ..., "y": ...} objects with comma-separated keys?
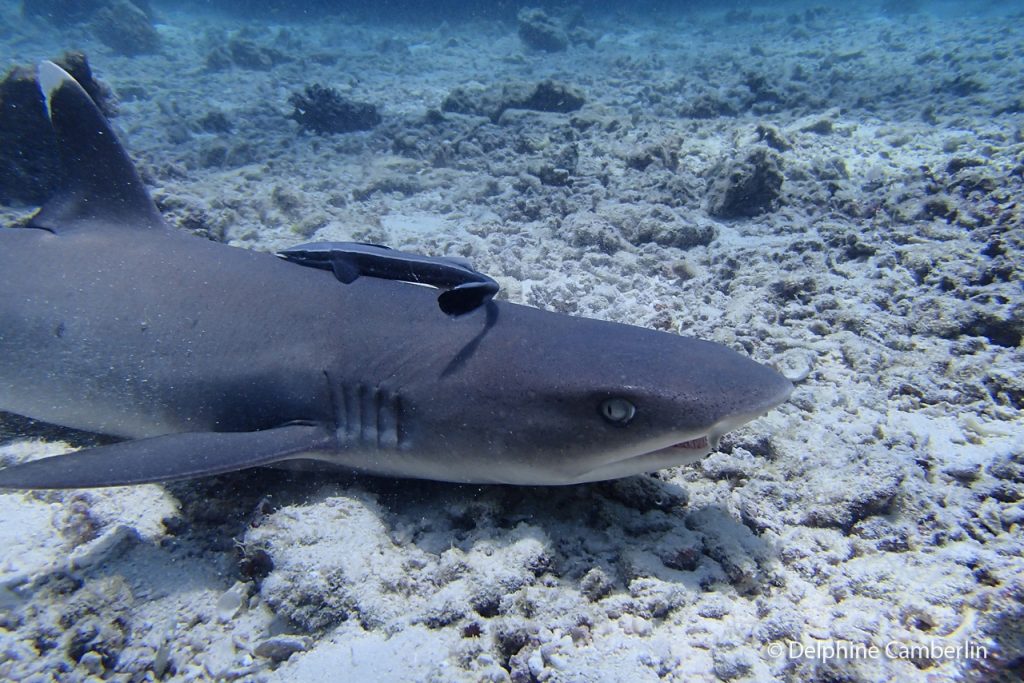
[{"x": 834, "y": 189}]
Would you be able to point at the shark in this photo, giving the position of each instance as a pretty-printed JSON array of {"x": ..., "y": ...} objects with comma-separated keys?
[{"x": 202, "y": 358}]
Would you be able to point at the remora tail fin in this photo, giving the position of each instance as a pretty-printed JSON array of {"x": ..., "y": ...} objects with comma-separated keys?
[{"x": 100, "y": 186}]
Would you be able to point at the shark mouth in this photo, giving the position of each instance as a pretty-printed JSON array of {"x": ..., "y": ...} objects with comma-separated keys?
[
  {"x": 700, "y": 443},
  {"x": 681, "y": 453}
]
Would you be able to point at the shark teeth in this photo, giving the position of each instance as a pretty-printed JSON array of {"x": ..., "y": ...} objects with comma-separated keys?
[{"x": 699, "y": 442}]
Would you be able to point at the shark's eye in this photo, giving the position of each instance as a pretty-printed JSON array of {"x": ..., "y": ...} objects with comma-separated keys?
[{"x": 618, "y": 411}]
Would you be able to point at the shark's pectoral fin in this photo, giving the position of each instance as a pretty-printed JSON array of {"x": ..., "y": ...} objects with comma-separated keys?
[{"x": 167, "y": 458}]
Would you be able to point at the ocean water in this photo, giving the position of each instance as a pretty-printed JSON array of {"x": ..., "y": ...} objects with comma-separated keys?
[{"x": 831, "y": 189}]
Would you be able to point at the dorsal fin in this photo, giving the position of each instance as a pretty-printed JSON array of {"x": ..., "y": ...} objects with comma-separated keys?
[{"x": 100, "y": 186}]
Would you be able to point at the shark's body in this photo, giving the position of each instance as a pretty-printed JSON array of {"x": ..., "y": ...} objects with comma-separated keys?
[{"x": 209, "y": 358}]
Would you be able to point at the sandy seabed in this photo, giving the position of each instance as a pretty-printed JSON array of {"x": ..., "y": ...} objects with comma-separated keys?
[{"x": 869, "y": 529}]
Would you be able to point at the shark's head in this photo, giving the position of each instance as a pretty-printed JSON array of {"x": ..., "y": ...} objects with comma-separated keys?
[{"x": 546, "y": 398}]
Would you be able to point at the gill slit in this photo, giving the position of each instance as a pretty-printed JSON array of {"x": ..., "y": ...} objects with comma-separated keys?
[{"x": 366, "y": 415}]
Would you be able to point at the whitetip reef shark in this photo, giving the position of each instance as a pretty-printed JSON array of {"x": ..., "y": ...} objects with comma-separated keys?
[{"x": 206, "y": 358}]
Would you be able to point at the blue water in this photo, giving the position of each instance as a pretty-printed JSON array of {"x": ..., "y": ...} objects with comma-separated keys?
[{"x": 454, "y": 10}]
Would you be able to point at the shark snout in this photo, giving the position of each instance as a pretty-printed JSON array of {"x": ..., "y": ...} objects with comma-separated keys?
[
  {"x": 754, "y": 390},
  {"x": 768, "y": 390},
  {"x": 724, "y": 389}
]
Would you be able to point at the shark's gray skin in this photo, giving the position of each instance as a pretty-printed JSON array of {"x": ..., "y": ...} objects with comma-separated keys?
[
  {"x": 465, "y": 289},
  {"x": 207, "y": 358}
]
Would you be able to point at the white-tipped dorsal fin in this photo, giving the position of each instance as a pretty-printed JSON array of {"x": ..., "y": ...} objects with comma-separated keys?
[
  {"x": 50, "y": 78},
  {"x": 100, "y": 187}
]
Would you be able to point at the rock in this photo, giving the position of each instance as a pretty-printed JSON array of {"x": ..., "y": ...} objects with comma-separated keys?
[
  {"x": 732, "y": 664},
  {"x": 67, "y": 12},
  {"x": 546, "y": 96},
  {"x": 746, "y": 186},
  {"x": 652, "y": 598},
  {"x": 324, "y": 110},
  {"x": 772, "y": 136},
  {"x": 588, "y": 230},
  {"x": 596, "y": 584},
  {"x": 820, "y": 126},
  {"x": 557, "y": 166},
  {"x": 538, "y": 31},
  {"x": 550, "y": 96},
  {"x": 231, "y": 601},
  {"x": 937, "y": 207},
  {"x": 215, "y": 122},
  {"x": 92, "y": 662},
  {"x": 581, "y": 36},
  {"x": 1009, "y": 467},
  {"x": 126, "y": 26},
  {"x": 711, "y": 105},
  {"x": 473, "y": 102},
  {"x": 854, "y": 498},
  {"x": 126, "y": 29},
  {"x": 644, "y": 493},
  {"x": 684, "y": 558},
  {"x": 661, "y": 225},
  {"x": 661, "y": 154},
  {"x": 555, "y": 176},
  {"x": 244, "y": 54},
  {"x": 59, "y": 12},
  {"x": 885, "y": 535},
  {"x": 280, "y": 648},
  {"x": 92, "y": 624}
]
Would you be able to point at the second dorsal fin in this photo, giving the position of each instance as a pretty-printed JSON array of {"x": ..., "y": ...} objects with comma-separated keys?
[{"x": 100, "y": 187}]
